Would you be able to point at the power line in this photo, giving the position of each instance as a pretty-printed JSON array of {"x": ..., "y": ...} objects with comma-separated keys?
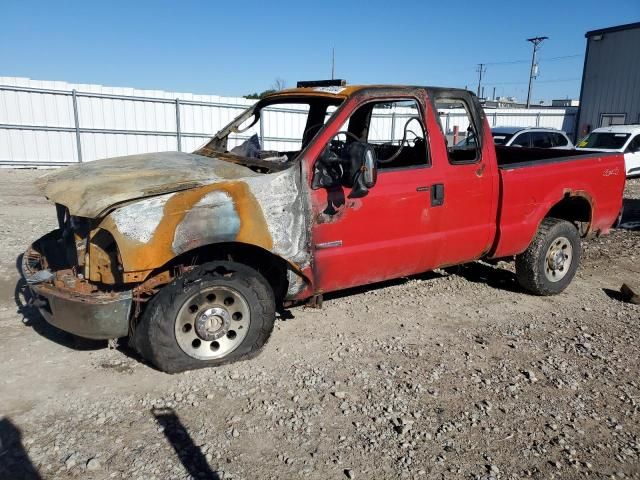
[
  {"x": 511, "y": 62},
  {"x": 575, "y": 55},
  {"x": 555, "y": 80},
  {"x": 549, "y": 59}
]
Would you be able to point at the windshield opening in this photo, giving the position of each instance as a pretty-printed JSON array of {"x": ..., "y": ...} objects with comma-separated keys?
[
  {"x": 273, "y": 132},
  {"x": 606, "y": 140}
]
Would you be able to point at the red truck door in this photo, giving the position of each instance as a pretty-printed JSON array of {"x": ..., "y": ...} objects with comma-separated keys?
[
  {"x": 470, "y": 186},
  {"x": 392, "y": 231}
]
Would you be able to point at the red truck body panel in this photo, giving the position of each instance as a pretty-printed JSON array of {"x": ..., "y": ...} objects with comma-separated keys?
[
  {"x": 394, "y": 231},
  {"x": 528, "y": 192},
  {"x": 488, "y": 211}
]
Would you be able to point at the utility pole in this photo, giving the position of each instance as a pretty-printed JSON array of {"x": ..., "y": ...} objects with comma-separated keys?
[
  {"x": 482, "y": 68},
  {"x": 333, "y": 63},
  {"x": 536, "y": 41}
]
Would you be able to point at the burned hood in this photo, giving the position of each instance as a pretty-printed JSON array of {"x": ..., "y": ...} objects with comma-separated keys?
[{"x": 92, "y": 188}]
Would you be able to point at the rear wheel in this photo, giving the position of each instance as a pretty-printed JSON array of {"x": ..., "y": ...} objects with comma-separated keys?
[
  {"x": 550, "y": 262},
  {"x": 218, "y": 313}
]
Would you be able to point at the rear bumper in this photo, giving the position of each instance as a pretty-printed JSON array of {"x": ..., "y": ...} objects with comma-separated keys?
[{"x": 66, "y": 302}]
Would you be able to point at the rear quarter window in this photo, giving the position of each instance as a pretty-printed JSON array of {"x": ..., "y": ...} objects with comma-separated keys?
[
  {"x": 522, "y": 140},
  {"x": 541, "y": 140},
  {"x": 559, "y": 140}
]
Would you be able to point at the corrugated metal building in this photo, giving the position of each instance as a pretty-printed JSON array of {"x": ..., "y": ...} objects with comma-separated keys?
[{"x": 610, "y": 93}]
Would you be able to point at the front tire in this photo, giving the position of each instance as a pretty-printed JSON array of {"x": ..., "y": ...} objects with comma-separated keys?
[
  {"x": 218, "y": 313},
  {"x": 550, "y": 262}
]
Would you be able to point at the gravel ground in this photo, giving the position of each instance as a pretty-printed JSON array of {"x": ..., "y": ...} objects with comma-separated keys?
[{"x": 451, "y": 374}]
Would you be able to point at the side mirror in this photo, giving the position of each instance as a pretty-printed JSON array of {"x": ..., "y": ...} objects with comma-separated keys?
[
  {"x": 369, "y": 168},
  {"x": 364, "y": 169}
]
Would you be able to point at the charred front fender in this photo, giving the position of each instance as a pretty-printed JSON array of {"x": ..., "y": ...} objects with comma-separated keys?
[{"x": 265, "y": 211}]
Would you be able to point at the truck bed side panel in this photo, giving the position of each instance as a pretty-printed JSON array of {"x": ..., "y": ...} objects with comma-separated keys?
[{"x": 529, "y": 191}]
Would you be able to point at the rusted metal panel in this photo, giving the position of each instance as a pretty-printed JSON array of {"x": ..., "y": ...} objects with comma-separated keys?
[
  {"x": 91, "y": 189},
  {"x": 158, "y": 206},
  {"x": 152, "y": 231},
  {"x": 75, "y": 305},
  {"x": 159, "y": 209}
]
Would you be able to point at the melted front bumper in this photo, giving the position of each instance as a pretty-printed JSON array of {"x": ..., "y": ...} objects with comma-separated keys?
[{"x": 69, "y": 302}]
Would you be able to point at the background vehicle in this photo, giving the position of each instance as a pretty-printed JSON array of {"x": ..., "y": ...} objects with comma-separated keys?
[
  {"x": 191, "y": 254},
  {"x": 529, "y": 137},
  {"x": 617, "y": 138}
]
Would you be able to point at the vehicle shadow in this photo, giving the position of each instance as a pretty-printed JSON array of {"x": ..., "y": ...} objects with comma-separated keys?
[
  {"x": 493, "y": 276},
  {"x": 31, "y": 317},
  {"x": 190, "y": 455},
  {"x": 14, "y": 460},
  {"x": 630, "y": 215},
  {"x": 380, "y": 285}
]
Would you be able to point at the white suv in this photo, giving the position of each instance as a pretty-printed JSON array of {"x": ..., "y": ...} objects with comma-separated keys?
[
  {"x": 530, "y": 137},
  {"x": 616, "y": 138}
]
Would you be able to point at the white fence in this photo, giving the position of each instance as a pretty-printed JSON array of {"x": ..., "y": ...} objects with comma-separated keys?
[{"x": 56, "y": 123}]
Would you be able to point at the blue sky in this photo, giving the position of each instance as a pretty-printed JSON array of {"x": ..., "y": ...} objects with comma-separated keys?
[{"x": 234, "y": 48}]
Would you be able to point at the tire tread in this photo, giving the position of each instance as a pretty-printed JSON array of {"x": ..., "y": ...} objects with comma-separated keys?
[
  {"x": 154, "y": 336},
  {"x": 528, "y": 272}
]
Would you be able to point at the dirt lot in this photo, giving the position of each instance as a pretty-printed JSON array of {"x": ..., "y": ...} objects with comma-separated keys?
[{"x": 452, "y": 374}]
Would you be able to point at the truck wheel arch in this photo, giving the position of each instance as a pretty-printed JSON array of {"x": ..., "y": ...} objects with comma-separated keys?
[
  {"x": 573, "y": 206},
  {"x": 275, "y": 269},
  {"x": 576, "y": 208}
]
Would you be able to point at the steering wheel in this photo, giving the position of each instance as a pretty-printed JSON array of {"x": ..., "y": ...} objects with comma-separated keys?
[
  {"x": 340, "y": 142},
  {"x": 405, "y": 130}
]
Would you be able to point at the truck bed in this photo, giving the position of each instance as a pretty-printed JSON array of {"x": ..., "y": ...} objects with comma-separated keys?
[
  {"x": 509, "y": 157},
  {"x": 533, "y": 182}
]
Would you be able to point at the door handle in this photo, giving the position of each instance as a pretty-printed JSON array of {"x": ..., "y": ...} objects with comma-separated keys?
[
  {"x": 437, "y": 195},
  {"x": 423, "y": 188}
]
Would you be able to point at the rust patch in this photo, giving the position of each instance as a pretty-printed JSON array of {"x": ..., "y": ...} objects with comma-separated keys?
[
  {"x": 67, "y": 280},
  {"x": 134, "y": 277},
  {"x": 138, "y": 256},
  {"x": 150, "y": 286},
  {"x": 101, "y": 265}
]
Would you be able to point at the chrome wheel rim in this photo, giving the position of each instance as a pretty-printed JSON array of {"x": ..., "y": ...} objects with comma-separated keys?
[
  {"x": 212, "y": 323},
  {"x": 558, "y": 259}
]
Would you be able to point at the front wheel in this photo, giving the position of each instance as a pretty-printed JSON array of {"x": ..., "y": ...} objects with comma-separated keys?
[
  {"x": 551, "y": 260},
  {"x": 218, "y": 313}
]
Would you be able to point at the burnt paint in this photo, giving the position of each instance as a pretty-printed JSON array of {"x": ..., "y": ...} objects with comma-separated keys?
[{"x": 139, "y": 256}]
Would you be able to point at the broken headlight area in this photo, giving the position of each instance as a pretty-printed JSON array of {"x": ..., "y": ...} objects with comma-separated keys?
[
  {"x": 48, "y": 260},
  {"x": 69, "y": 301},
  {"x": 90, "y": 252},
  {"x": 103, "y": 263},
  {"x": 74, "y": 232}
]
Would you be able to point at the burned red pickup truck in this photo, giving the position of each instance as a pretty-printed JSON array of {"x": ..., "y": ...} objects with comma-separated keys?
[{"x": 191, "y": 254}]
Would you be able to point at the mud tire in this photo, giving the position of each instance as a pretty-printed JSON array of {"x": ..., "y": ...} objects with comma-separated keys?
[
  {"x": 530, "y": 265},
  {"x": 154, "y": 336}
]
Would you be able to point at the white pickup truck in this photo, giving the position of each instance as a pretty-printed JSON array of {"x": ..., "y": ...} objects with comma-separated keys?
[{"x": 616, "y": 138}]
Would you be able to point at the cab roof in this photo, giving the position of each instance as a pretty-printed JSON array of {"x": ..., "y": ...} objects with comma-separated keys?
[{"x": 343, "y": 92}]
